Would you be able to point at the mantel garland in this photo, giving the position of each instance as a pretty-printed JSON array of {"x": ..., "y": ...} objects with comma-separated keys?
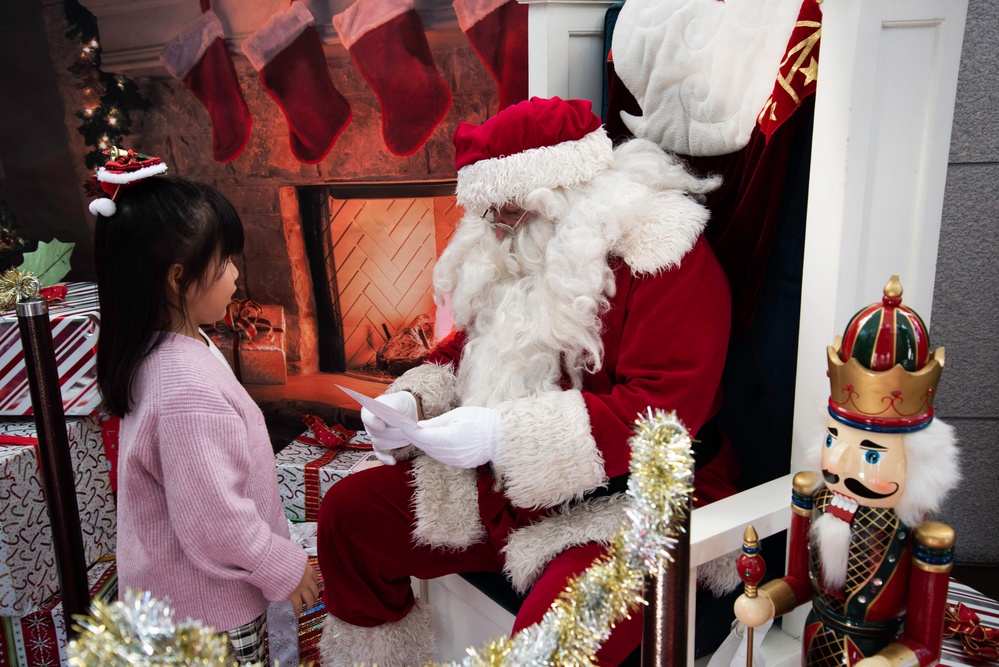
[{"x": 108, "y": 98}]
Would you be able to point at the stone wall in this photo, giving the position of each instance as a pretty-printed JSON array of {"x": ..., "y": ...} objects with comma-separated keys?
[{"x": 261, "y": 181}]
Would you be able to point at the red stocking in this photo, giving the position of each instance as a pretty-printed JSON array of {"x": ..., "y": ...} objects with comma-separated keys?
[
  {"x": 389, "y": 48},
  {"x": 199, "y": 57},
  {"x": 497, "y": 30},
  {"x": 293, "y": 70}
]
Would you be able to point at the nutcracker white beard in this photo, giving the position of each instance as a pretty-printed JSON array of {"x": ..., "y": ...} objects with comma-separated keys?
[
  {"x": 831, "y": 536},
  {"x": 531, "y": 303}
]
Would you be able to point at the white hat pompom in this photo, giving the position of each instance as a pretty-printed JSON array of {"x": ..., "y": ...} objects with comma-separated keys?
[{"x": 103, "y": 206}]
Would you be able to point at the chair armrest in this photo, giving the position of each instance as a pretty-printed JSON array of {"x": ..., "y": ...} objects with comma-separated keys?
[{"x": 717, "y": 529}]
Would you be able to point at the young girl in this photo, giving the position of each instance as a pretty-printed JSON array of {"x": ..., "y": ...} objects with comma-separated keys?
[{"x": 199, "y": 516}]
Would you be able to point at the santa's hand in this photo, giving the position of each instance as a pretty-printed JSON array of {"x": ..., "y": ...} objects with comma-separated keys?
[
  {"x": 385, "y": 438},
  {"x": 465, "y": 437}
]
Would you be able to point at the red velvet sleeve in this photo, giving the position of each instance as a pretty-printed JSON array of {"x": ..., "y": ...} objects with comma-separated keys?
[{"x": 665, "y": 342}]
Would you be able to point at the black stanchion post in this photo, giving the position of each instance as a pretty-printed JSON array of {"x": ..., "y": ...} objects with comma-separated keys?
[
  {"x": 664, "y": 635},
  {"x": 54, "y": 457}
]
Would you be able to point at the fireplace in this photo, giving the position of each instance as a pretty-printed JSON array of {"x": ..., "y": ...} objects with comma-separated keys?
[{"x": 372, "y": 248}]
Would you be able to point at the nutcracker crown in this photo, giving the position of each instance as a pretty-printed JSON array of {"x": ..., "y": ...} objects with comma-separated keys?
[{"x": 882, "y": 374}]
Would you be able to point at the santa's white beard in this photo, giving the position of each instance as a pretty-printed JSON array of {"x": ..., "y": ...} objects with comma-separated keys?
[
  {"x": 831, "y": 536},
  {"x": 531, "y": 304}
]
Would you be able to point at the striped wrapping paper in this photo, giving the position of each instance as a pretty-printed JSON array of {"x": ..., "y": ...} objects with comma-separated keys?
[
  {"x": 75, "y": 321},
  {"x": 987, "y": 609}
]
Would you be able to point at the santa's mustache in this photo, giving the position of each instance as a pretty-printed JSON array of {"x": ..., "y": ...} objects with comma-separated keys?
[{"x": 857, "y": 488}]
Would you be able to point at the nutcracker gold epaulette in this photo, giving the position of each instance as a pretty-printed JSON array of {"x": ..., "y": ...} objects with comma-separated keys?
[{"x": 933, "y": 546}]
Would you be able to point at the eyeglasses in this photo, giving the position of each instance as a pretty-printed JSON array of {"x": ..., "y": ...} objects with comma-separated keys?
[{"x": 491, "y": 216}]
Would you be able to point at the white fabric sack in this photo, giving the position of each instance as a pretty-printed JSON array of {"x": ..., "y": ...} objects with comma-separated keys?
[{"x": 701, "y": 70}]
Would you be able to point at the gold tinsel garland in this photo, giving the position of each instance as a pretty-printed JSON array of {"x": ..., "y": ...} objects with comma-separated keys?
[
  {"x": 14, "y": 285},
  {"x": 139, "y": 630}
]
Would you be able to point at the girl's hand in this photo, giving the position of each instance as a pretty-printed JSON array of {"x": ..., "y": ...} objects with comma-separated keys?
[{"x": 303, "y": 598}]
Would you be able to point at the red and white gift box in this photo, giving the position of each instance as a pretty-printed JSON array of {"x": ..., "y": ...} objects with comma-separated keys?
[
  {"x": 251, "y": 339},
  {"x": 306, "y": 470},
  {"x": 39, "y": 639},
  {"x": 28, "y": 574},
  {"x": 75, "y": 321}
]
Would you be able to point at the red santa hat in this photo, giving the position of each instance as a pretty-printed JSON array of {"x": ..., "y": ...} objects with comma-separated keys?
[
  {"x": 538, "y": 143},
  {"x": 124, "y": 169}
]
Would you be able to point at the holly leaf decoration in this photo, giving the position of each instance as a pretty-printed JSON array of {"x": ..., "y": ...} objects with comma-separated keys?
[{"x": 50, "y": 263}]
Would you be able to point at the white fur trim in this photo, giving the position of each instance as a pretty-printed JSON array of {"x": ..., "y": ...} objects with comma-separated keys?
[
  {"x": 673, "y": 222},
  {"x": 277, "y": 34},
  {"x": 103, "y": 206},
  {"x": 364, "y": 16},
  {"x": 504, "y": 179},
  {"x": 720, "y": 576},
  {"x": 184, "y": 51},
  {"x": 931, "y": 471},
  {"x": 831, "y": 535},
  {"x": 105, "y": 176},
  {"x": 435, "y": 386},
  {"x": 405, "y": 643},
  {"x": 446, "y": 505},
  {"x": 470, "y": 12},
  {"x": 548, "y": 455},
  {"x": 529, "y": 549}
]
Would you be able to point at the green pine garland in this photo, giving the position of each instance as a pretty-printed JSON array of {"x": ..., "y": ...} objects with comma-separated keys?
[{"x": 107, "y": 123}]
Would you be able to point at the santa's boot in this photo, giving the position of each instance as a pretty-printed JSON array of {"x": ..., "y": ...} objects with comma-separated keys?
[{"x": 404, "y": 643}]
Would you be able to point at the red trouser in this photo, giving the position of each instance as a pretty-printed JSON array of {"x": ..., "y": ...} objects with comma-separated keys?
[{"x": 367, "y": 556}]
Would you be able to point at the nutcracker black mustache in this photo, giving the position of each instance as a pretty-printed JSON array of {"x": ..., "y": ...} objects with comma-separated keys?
[{"x": 856, "y": 487}]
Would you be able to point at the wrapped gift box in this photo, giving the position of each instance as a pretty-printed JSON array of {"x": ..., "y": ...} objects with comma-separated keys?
[
  {"x": 306, "y": 472},
  {"x": 75, "y": 321},
  {"x": 28, "y": 574},
  {"x": 310, "y": 625},
  {"x": 39, "y": 638},
  {"x": 260, "y": 359},
  {"x": 953, "y": 653}
]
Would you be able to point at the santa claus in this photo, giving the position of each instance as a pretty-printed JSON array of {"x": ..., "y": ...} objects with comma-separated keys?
[{"x": 583, "y": 293}]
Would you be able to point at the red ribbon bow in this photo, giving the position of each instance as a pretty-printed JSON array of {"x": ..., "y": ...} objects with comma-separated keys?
[
  {"x": 979, "y": 641},
  {"x": 331, "y": 437},
  {"x": 243, "y": 319}
]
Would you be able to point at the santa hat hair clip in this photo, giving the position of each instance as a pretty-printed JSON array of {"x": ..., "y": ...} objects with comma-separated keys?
[{"x": 123, "y": 170}]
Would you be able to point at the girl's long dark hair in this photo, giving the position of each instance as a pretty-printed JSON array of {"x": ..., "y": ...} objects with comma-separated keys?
[{"x": 159, "y": 222}]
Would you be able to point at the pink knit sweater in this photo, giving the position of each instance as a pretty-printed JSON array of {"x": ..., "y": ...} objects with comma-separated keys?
[{"x": 199, "y": 516}]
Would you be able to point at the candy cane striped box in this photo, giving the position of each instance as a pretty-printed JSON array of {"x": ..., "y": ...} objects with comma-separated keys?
[
  {"x": 27, "y": 560},
  {"x": 306, "y": 472},
  {"x": 75, "y": 321}
]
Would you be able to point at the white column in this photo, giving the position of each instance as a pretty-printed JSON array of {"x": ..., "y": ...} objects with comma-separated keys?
[
  {"x": 883, "y": 114},
  {"x": 566, "y": 47}
]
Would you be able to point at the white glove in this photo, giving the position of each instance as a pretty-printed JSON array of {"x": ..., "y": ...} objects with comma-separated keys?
[
  {"x": 465, "y": 437},
  {"x": 385, "y": 438}
]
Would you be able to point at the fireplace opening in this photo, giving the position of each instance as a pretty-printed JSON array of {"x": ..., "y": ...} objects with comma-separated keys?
[{"x": 372, "y": 248}]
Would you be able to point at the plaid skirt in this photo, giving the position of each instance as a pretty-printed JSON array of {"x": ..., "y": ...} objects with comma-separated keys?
[{"x": 247, "y": 642}]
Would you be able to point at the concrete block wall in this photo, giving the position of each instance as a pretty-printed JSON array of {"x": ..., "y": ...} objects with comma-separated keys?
[{"x": 966, "y": 293}]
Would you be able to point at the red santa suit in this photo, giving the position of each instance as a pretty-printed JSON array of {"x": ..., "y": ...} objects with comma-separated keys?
[{"x": 549, "y": 499}]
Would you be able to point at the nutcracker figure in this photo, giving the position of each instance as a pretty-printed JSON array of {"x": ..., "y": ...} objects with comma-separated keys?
[{"x": 860, "y": 548}]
